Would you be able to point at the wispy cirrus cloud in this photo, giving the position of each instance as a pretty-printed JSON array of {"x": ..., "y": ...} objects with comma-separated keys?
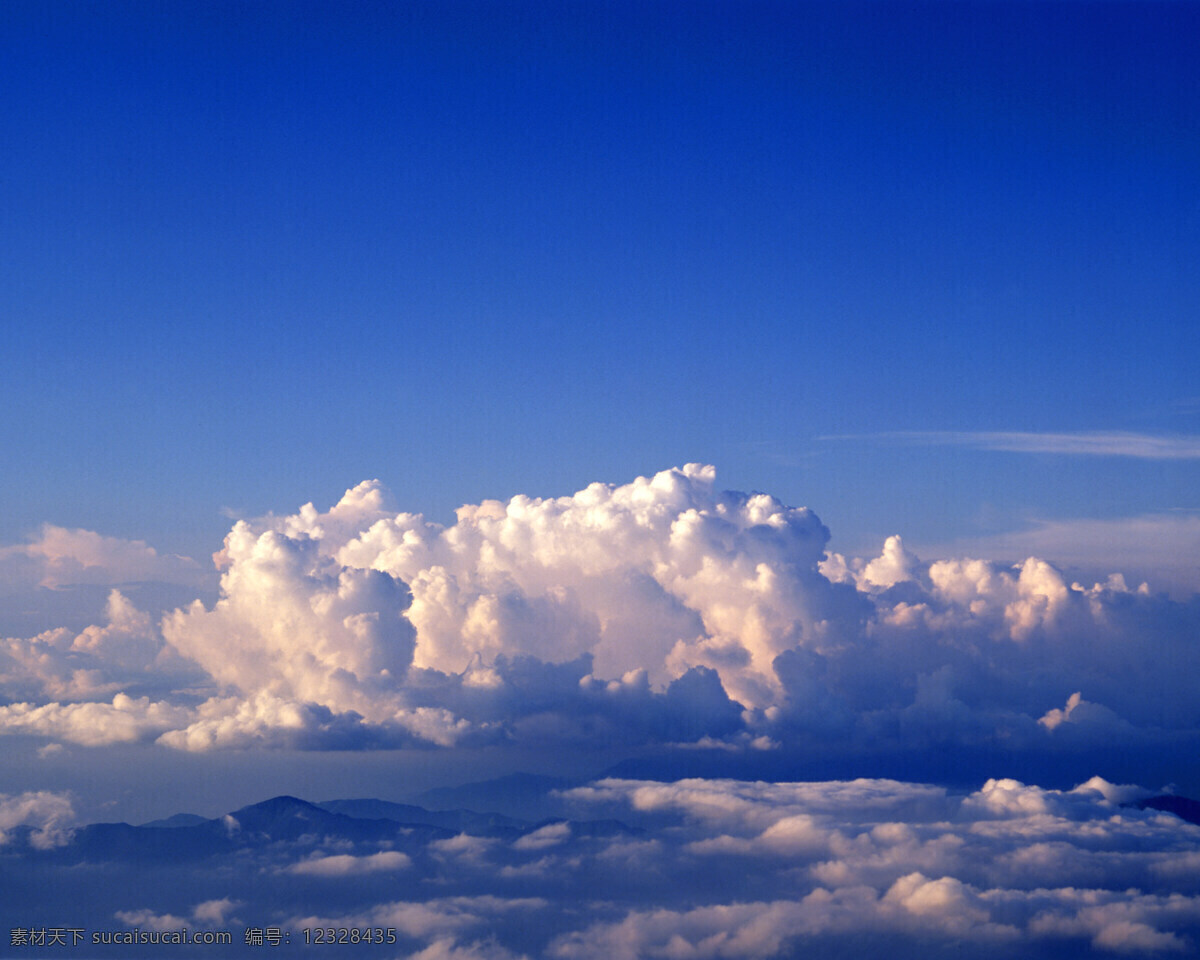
[{"x": 1113, "y": 443}]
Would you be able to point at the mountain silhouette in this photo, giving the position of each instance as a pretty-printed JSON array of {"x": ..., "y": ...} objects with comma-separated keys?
[
  {"x": 177, "y": 820},
  {"x": 280, "y": 820},
  {"x": 460, "y": 821},
  {"x": 526, "y": 796},
  {"x": 360, "y": 825}
]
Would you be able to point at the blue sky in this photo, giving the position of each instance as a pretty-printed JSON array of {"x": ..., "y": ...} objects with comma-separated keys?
[{"x": 255, "y": 254}]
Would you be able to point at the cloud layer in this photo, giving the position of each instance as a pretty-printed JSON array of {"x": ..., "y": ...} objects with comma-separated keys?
[
  {"x": 693, "y": 868},
  {"x": 1008, "y": 868}
]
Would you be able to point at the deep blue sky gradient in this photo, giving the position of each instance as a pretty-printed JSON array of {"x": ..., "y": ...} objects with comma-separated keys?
[{"x": 255, "y": 253}]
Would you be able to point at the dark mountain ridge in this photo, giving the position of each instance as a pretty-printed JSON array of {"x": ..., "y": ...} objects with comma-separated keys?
[{"x": 359, "y": 825}]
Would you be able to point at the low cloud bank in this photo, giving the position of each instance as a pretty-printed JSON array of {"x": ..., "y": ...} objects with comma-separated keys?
[
  {"x": 898, "y": 869},
  {"x": 662, "y": 611}
]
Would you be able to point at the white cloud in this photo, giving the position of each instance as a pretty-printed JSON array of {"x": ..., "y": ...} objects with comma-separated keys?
[
  {"x": 150, "y": 920},
  {"x": 659, "y": 611},
  {"x": 290, "y": 623},
  {"x": 661, "y": 573},
  {"x": 205, "y": 915},
  {"x": 436, "y": 919},
  {"x": 214, "y": 913},
  {"x": 548, "y": 836},
  {"x": 1014, "y": 867},
  {"x": 755, "y": 806},
  {"x": 463, "y": 848},
  {"x": 61, "y": 557},
  {"x": 91, "y": 664},
  {"x": 50, "y": 814},
  {"x": 342, "y": 865},
  {"x": 761, "y": 929},
  {"x": 1158, "y": 549},
  {"x": 1080, "y": 711},
  {"x": 124, "y": 720},
  {"x": 447, "y": 949}
]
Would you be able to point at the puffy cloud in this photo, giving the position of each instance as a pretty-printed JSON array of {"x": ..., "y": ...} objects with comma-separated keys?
[
  {"x": 447, "y": 948},
  {"x": 685, "y": 593},
  {"x": 1010, "y": 868},
  {"x": 212, "y": 913},
  {"x": 150, "y": 920},
  {"x": 438, "y": 919},
  {"x": 463, "y": 848},
  {"x": 50, "y": 814},
  {"x": 60, "y": 557},
  {"x": 124, "y": 720},
  {"x": 291, "y": 623},
  {"x": 662, "y": 573},
  {"x": 1080, "y": 711},
  {"x": 661, "y": 581},
  {"x": 94, "y": 663},
  {"x": 547, "y": 836},
  {"x": 894, "y": 565},
  {"x": 762, "y": 929},
  {"x": 1120, "y": 923},
  {"x": 661, "y": 611},
  {"x": 205, "y": 915},
  {"x": 756, "y": 806},
  {"x": 341, "y": 865},
  {"x": 1159, "y": 548},
  {"x": 267, "y": 721}
]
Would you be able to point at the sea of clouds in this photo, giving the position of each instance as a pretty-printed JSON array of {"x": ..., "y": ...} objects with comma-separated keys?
[
  {"x": 753, "y": 869},
  {"x": 693, "y": 869}
]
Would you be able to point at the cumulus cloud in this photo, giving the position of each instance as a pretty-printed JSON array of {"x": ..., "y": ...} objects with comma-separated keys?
[
  {"x": 122, "y": 654},
  {"x": 653, "y": 609},
  {"x": 439, "y": 919},
  {"x": 124, "y": 720},
  {"x": 60, "y": 557},
  {"x": 342, "y": 865},
  {"x": 661, "y": 611},
  {"x": 291, "y": 622},
  {"x": 1080, "y": 711},
  {"x": 1158, "y": 549},
  {"x": 205, "y": 915},
  {"x": 548, "y": 836},
  {"x": 448, "y": 949},
  {"x": 214, "y": 912},
  {"x": 50, "y": 814},
  {"x": 263, "y": 720},
  {"x": 659, "y": 574}
]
